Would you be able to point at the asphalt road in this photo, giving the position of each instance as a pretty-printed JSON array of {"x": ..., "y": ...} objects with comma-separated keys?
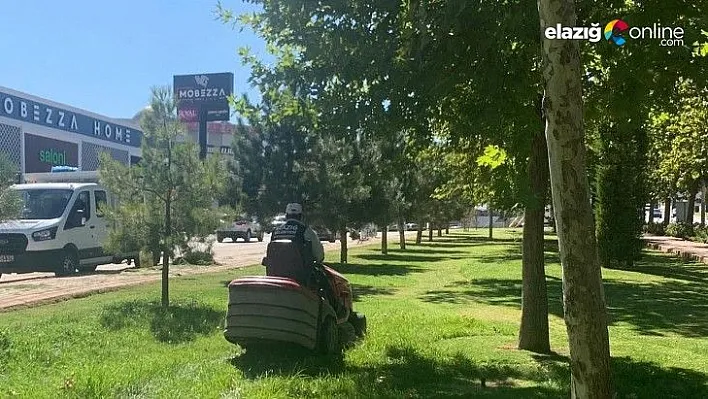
[{"x": 22, "y": 290}]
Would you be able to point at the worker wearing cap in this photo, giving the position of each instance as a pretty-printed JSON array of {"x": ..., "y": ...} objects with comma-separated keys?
[{"x": 295, "y": 230}]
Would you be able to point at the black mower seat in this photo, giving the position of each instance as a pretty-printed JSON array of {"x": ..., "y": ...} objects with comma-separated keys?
[{"x": 284, "y": 259}]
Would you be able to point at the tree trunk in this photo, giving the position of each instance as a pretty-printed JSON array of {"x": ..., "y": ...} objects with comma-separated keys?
[
  {"x": 491, "y": 222},
  {"x": 691, "y": 203},
  {"x": 166, "y": 252},
  {"x": 533, "y": 333},
  {"x": 402, "y": 233},
  {"x": 343, "y": 255},
  {"x": 447, "y": 229},
  {"x": 667, "y": 210},
  {"x": 583, "y": 295},
  {"x": 384, "y": 239},
  {"x": 439, "y": 231},
  {"x": 430, "y": 231},
  {"x": 419, "y": 234},
  {"x": 653, "y": 204},
  {"x": 703, "y": 205}
]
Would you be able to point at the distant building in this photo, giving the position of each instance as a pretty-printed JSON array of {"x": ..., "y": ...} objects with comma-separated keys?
[{"x": 219, "y": 134}]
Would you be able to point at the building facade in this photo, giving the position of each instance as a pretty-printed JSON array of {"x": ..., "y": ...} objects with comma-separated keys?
[{"x": 36, "y": 134}]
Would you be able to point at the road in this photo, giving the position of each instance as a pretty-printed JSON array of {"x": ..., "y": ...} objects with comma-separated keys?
[{"x": 30, "y": 289}]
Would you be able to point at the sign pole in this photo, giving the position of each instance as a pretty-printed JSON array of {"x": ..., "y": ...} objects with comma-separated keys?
[{"x": 203, "y": 132}]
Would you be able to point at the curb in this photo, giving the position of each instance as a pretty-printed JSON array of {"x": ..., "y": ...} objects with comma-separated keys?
[{"x": 682, "y": 253}]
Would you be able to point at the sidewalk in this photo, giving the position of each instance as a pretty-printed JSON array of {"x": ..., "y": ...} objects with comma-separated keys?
[{"x": 688, "y": 250}]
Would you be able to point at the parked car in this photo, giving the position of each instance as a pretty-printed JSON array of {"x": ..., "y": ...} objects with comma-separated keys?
[
  {"x": 411, "y": 226},
  {"x": 325, "y": 234},
  {"x": 242, "y": 228},
  {"x": 277, "y": 221}
]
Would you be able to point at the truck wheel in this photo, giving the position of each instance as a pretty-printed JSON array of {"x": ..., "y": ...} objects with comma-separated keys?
[
  {"x": 329, "y": 337},
  {"x": 136, "y": 262},
  {"x": 260, "y": 237},
  {"x": 248, "y": 236},
  {"x": 68, "y": 264},
  {"x": 220, "y": 238}
]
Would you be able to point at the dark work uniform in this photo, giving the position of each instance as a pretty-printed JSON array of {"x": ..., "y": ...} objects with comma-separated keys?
[{"x": 296, "y": 232}]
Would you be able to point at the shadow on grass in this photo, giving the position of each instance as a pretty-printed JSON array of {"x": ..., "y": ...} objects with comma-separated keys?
[
  {"x": 658, "y": 264},
  {"x": 405, "y": 373},
  {"x": 649, "y": 308},
  {"x": 360, "y": 291},
  {"x": 176, "y": 324},
  {"x": 405, "y": 257},
  {"x": 428, "y": 249},
  {"x": 375, "y": 269},
  {"x": 637, "y": 379},
  {"x": 285, "y": 359}
]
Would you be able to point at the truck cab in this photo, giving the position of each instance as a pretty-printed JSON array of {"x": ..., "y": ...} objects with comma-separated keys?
[{"x": 62, "y": 229}]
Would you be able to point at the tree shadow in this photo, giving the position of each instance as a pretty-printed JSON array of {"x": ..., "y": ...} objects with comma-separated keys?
[
  {"x": 658, "y": 264},
  {"x": 392, "y": 257},
  {"x": 636, "y": 379},
  {"x": 428, "y": 249},
  {"x": 376, "y": 269},
  {"x": 405, "y": 373},
  {"x": 276, "y": 358},
  {"x": 649, "y": 308},
  {"x": 415, "y": 375},
  {"x": 360, "y": 291},
  {"x": 514, "y": 253},
  {"x": 468, "y": 238},
  {"x": 180, "y": 322}
]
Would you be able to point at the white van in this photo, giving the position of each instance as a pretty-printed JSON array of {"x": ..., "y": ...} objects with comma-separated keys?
[{"x": 62, "y": 229}]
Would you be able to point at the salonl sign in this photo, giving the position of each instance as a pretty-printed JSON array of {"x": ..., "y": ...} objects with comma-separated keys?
[{"x": 42, "y": 153}]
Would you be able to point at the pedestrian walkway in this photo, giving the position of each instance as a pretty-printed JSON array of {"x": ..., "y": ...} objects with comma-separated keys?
[{"x": 686, "y": 249}]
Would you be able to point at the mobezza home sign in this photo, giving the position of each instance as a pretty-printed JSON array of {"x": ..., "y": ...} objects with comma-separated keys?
[
  {"x": 38, "y": 113},
  {"x": 208, "y": 92}
]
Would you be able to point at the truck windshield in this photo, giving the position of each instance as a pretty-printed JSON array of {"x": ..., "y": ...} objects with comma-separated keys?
[{"x": 44, "y": 203}]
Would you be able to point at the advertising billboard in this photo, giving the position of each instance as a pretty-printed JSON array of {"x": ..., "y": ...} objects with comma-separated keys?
[{"x": 208, "y": 91}]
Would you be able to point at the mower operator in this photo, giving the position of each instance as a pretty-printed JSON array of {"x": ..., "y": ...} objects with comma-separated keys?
[{"x": 296, "y": 231}]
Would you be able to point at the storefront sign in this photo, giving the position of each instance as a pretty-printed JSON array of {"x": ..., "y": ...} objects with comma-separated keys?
[
  {"x": 42, "y": 153},
  {"x": 49, "y": 116}
]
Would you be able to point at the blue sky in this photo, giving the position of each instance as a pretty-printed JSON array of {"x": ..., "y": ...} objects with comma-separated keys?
[{"x": 103, "y": 56}]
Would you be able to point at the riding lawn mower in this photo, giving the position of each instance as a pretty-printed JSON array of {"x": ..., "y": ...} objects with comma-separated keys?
[{"x": 288, "y": 305}]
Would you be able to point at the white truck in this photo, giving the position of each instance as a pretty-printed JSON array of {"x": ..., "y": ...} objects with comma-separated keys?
[{"x": 62, "y": 228}]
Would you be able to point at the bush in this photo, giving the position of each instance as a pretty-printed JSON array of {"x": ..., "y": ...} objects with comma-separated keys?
[
  {"x": 700, "y": 234},
  {"x": 680, "y": 230},
  {"x": 197, "y": 257}
]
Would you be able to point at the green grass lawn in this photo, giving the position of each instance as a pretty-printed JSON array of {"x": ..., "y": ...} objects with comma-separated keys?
[{"x": 443, "y": 320}]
